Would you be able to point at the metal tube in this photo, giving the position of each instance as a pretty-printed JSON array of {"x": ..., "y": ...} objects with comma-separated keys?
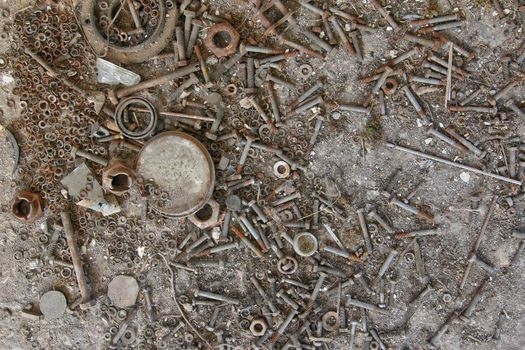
[
  {"x": 457, "y": 165},
  {"x": 203, "y": 294}
]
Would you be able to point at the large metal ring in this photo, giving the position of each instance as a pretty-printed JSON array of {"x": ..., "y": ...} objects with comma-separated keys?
[
  {"x": 143, "y": 132},
  {"x": 152, "y": 45}
]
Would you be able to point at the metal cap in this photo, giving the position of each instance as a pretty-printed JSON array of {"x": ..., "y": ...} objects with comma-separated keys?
[{"x": 179, "y": 165}]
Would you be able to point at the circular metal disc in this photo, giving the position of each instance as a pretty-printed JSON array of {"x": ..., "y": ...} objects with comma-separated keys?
[
  {"x": 53, "y": 304},
  {"x": 181, "y": 166},
  {"x": 123, "y": 291}
]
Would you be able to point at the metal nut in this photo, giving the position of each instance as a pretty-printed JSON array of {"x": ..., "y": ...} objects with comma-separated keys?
[
  {"x": 305, "y": 244},
  {"x": 331, "y": 321},
  {"x": 258, "y": 327},
  {"x": 222, "y": 39},
  {"x": 390, "y": 86},
  {"x": 117, "y": 178},
  {"x": 206, "y": 217},
  {"x": 27, "y": 206},
  {"x": 281, "y": 169}
]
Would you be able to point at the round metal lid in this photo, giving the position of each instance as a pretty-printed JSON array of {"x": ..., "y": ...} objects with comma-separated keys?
[
  {"x": 180, "y": 165},
  {"x": 53, "y": 304}
]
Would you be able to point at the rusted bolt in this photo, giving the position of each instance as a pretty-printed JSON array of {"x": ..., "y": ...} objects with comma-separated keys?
[
  {"x": 27, "y": 206},
  {"x": 222, "y": 39}
]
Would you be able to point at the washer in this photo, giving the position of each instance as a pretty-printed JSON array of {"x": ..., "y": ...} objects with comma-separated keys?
[{"x": 281, "y": 169}]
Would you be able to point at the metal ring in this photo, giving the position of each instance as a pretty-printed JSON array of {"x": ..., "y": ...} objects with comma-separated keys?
[
  {"x": 281, "y": 169},
  {"x": 119, "y": 115},
  {"x": 305, "y": 244},
  {"x": 287, "y": 265},
  {"x": 305, "y": 70}
]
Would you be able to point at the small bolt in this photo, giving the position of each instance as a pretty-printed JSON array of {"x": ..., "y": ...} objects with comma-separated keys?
[
  {"x": 75, "y": 151},
  {"x": 361, "y": 279}
]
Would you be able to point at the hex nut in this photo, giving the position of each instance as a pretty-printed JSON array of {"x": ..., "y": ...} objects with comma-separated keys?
[
  {"x": 258, "y": 327},
  {"x": 128, "y": 337},
  {"x": 206, "y": 217},
  {"x": 222, "y": 39},
  {"x": 27, "y": 206},
  {"x": 117, "y": 178},
  {"x": 390, "y": 86}
]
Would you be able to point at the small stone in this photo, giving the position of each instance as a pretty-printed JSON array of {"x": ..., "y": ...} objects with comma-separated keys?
[
  {"x": 465, "y": 177},
  {"x": 123, "y": 291},
  {"x": 53, "y": 304}
]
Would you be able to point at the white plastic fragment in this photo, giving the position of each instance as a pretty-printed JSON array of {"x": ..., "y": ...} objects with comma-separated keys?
[{"x": 110, "y": 73}]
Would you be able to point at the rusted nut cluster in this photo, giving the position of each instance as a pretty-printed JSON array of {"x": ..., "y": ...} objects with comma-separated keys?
[
  {"x": 117, "y": 178},
  {"x": 27, "y": 206},
  {"x": 222, "y": 39},
  {"x": 206, "y": 217}
]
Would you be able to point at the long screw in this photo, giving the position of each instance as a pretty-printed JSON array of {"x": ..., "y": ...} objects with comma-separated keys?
[
  {"x": 273, "y": 101},
  {"x": 385, "y": 14},
  {"x": 457, "y": 165},
  {"x": 75, "y": 257},
  {"x": 364, "y": 229},
  {"x": 386, "y": 264},
  {"x": 203, "y": 294},
  {"x": 244, "y": 154}
]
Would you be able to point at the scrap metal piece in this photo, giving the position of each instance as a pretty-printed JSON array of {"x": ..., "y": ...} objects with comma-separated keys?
[
  {"x": 53, "y": 304},
  {"x": 16, "y": 149},
  {"x": 222, "y": 39},
  {"x": 148, "y": 48},
  {"x": 123, "y": 291},
  {"x": 85, "y": 189}
]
